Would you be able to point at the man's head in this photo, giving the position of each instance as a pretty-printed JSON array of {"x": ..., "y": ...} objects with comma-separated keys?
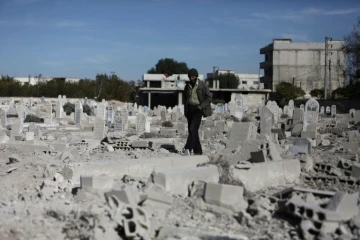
[{"x": 193, "y": 74}]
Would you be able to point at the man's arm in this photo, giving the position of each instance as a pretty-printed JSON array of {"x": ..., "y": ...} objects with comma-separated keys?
[{"x": 207, "y": 97}]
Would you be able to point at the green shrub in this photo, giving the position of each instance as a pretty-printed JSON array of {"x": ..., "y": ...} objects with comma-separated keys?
[
  {"x": 88, "y": 110},
  {"x": 69, "y": 108},
  {"x": 167, "y": 124},
  {"x": 33, "y": 118}
]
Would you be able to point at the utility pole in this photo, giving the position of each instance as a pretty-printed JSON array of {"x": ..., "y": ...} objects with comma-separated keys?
[
  {"x": 330, "y": 86},
  {"x": 327, "y": 39}
]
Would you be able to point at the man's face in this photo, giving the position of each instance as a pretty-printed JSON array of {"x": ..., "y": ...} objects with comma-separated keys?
[{"x": 192, "y": 78}]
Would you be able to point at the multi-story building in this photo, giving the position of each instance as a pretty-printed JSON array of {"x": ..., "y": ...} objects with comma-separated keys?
[{"x": 303, "y": 64}]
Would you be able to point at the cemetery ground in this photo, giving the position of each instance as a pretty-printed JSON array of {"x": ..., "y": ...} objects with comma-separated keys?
[{"x": 277, "y": 173}]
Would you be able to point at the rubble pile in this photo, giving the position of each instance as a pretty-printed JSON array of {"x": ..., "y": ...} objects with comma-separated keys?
[{"x": 292, "y": 174}]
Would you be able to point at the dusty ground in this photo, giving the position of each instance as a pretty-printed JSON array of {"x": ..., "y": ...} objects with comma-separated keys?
[{"x": 29, "y": 210}]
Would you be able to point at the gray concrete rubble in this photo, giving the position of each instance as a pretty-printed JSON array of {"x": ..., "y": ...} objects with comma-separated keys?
[{"x": 122, "y": 172}]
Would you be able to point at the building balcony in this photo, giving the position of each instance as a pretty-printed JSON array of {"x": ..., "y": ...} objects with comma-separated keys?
[
  {"x": 266, "y": 64},
  {"x": 266, "y": 49}
]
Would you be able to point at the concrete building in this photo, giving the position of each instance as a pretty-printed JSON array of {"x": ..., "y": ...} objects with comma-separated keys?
[
  {"x": 302, "y": 64},
  {"x": 34, "y": 80},
  {"x": 168, "y": 91}
]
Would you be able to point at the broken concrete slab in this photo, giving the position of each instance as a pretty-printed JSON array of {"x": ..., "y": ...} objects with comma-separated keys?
[
  {"x": 346, "y": 205},
  {"x": 177, "y": 181},
  {"x": 268, "y": 174},
  {"x": 241, "y": 131},
  {"x": 227, "y": 196},
  {"x": 102, "y": 182},
  {"x": 133, "y": 167}
]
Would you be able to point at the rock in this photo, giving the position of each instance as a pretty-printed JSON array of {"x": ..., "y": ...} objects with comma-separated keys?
[
  {"x": 110, "y": 148},
  {"x": 14, "y": 158},
  {"x": 325, "y": 142}
]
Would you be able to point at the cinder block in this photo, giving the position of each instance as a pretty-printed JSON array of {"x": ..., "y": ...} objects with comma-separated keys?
[
  {"x": 96, "y": 182},
  {"x": 140, "y": 144},
  {"x": 176, "y": 181},
  {"x": 268, "y": 174},
  {"x": 227, "y": 196},
  {"x": 136, "y": 223}
]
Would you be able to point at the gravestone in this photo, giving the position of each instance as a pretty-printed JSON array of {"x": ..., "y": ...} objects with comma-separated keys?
[
  {"x": 3, "y": 117},
  {"x": 328, "y": 110},
  {"x": 239, "y": 107},
  {"x": 118, "y": 122},
  {"x": 109, "y": 118},
  {"x": 302, "y": 107},
  {"x": 322, "y": 110},
  {"x": 78, "y": 112},
  {"x": 125, "y": 116},
  {"x": 333, "y": 110},
  {"x": 42, "y": 99},
  {"x": 140, "y": 122},
  {"x": 286, "y": 110},
  {"x": 101, "y": 110},
  {"x": 311, "y": 115},
  {"x": 163, "y": 115},
  {"x": 274, "y": 108},
  {"x": 266, "y": 120},
  {"x": 174, "y": 117},
  {"x": 297, "y": 116},
  {"x": 291, "y": 108},
  {"x": 220, "y": 108},
  {"x": 58, "y": 109},
  {"x": 99, "y": 128}
]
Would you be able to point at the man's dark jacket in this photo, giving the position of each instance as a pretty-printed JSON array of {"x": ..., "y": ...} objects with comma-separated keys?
[{"x": 204, "y": 96}]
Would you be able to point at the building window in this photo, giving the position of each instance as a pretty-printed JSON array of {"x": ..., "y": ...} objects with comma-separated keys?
[
  {"x": 155, "y": 84},
  {"x": 266, "y": 58},
  {"x": 266, "y": 72},
  {"x": 244, "y": 82}
]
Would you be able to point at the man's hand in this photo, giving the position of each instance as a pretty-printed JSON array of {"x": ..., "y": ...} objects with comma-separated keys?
[{"x": 199, "y": 107}]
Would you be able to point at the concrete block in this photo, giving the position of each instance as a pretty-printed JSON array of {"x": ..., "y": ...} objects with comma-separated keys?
[
  {"x": 227, "y": 196},
  {"x": 177, "y": 181},
  {"x": 269, "y": 174},
  {"x": 126, "y": 195},
  {"x": 140, "y": 144},
  {"x": 157, "y": 197},
  {"x": 96, "y": 182},
  {"x": 301, "y": 145},
  {"x": 346, "y": 205},
  {"x": 355, "y": 170},
  {"x": 136, "y": 223},
  {"x": 141, "y": 168}
]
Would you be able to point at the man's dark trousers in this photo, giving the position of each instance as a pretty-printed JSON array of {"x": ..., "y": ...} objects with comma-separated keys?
[{"x": 194, "y": 116}]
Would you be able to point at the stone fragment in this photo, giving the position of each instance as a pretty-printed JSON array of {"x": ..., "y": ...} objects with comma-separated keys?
[
  {"x": 125, "y": 195},
  {"x": 268, "y": 174},
  {"x": 176, "y": 181},
  {"x": 96, "y": 182},
  {"x": 227, "y": 196},
  {"x": 346, "y": 205},
  {"x": 325, "y": 142},
  {"x": 13, "y": 158}
]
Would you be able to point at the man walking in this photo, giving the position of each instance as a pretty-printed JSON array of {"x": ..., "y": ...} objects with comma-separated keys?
[{"x": 197, "y": 103}]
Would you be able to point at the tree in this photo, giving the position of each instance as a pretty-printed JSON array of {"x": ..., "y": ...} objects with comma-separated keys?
[
  {"x": 229, "y": 80},
  {"x": 169, "y": 66},
  {"x": 351, "y": 91},
  {"x": 286, "y": 91},
  {"x": 352, "y": 48},
  {"x": 317, "y": 93}
]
